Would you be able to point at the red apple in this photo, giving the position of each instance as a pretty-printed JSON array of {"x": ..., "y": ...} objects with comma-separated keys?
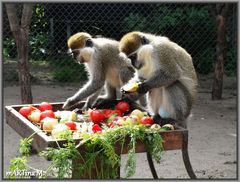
[
  {"x": 97, "y": 116},
  {"x": 147, "y": 121},
  {"x": 45, "y": 106},
  {"x": 123, "y": 107},
  {"x": 26, "y": 110},
  {"x": 96, "y": 129},
  {"x": 47, "y": 113}
]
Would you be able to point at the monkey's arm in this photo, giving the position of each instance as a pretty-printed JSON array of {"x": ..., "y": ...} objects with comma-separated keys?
[
  {"x": 88, "y": 89},
  {"x": 126, "y": 74},
  {"x": 91, "y": 99},
  {"x": 96, "y": 82},
  {"x": 159, "y": 78}
]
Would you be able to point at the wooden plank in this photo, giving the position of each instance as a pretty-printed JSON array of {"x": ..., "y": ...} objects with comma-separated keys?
[{"x": 25, "y": 128}]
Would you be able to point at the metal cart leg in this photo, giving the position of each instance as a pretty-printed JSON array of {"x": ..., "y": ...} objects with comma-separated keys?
[
  {"x": 151, "y": 165},
  {"x": 185, "y": 156}
]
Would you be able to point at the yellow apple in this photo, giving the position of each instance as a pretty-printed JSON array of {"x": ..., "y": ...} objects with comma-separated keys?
[
  {"x": 138, "y": 113},
  {"x": 35, "y": 116},
  {"x": 49, "y": 124}
]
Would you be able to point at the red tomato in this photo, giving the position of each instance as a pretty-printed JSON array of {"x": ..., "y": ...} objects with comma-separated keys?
[
  {"x": 97, "y": 116},
  {"x": 47, "y": 113},
  {"x": 96, "y": 129},
  {"x": 147, "y": 120},
  {"x": 123, "y": 107},
  {"x": 27, "y": 110},
  {"x": 45, "y": 106},
  {"x": 71, "y": 125},
  {"x": 109, "y": 112}
]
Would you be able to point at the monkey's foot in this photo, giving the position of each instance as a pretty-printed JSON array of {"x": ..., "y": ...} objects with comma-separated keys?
[{"x": 162, "y": 121}]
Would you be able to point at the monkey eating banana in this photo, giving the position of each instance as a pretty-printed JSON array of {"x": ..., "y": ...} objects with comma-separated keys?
[{"x": 166, "y": 73}]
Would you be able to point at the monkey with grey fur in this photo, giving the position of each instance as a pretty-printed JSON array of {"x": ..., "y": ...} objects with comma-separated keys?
[
  {"x": 166, "y": 73},
  {"x": 104, "y": 65}
]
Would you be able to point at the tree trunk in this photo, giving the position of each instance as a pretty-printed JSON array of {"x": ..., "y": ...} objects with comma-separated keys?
[
  {"x": 220, "y": 12},
  {"x": 219, "y": 63},
  {"x": 20, "y": 33}
]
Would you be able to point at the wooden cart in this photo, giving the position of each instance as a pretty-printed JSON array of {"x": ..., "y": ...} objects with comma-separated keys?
[{"x": 173, "y": 140}]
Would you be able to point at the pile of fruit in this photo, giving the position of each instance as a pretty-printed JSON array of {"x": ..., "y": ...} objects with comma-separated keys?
[{"x": 91, "y": 121}]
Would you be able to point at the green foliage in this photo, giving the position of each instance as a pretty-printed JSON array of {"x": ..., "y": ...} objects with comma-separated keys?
[
  {"x": 25, "y": 146},
  {"x": 39, "y": 22},
  {"x": 230, "y": 65},
  {"x": 134, "y": 21},
  {"x": 38, "y": 38},
  {"x": 99, "y": 153},
  {"x": 9, "y": 48},
  {"x": 17, "y": 164},
  {"x": 66, "y": 70},
  {"x": 20, "y": 163},
  {"x": 37, "y": 45},
  {"x": 39, "y": 34},
  {"x": 61, "y": 158},
  {"x": 154, "y": 146},
  {"x": 131, "y": 161},
  {"x": 204, "y": 63},
  {"x": 190, "y": 26}
]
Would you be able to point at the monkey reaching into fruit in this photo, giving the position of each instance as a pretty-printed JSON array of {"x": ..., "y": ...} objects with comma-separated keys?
[
  {"x": 105, "y": 66},
  {"x": 166, "y": 73}
]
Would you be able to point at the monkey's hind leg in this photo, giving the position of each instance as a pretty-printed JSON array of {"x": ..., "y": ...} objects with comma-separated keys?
[
  {"x": 181, "y": 101},
  {"x": 162, "y": 121}
]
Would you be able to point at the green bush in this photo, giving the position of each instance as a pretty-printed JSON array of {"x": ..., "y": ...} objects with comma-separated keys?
[
  {"x": 66, "y": 70},
  {"x": 37, "y": 45},
  {"x": 191, "y": 27},
  {"x": 9, "y": 48},
  {"x": 230, "y": 65}
]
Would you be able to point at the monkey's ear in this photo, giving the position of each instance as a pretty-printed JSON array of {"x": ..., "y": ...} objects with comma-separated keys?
[
  {"x": 144, "y": 40},
  {"x": 88, "y": 43}
]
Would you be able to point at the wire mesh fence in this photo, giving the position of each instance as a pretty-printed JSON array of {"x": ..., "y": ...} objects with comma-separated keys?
[{"x": 189, "y": 25}]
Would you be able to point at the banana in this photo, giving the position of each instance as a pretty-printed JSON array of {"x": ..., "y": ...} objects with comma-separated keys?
[{"x": 130, "y": 87}]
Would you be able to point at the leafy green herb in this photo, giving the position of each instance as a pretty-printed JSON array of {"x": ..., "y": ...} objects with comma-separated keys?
[
  {"x": 25, "y": 146},
  {"x": 17, "y": 164},
  {"x": 61, "y": 158},
  {"x": 131, "y": 161},
  {"x": 99, "y": 153}
]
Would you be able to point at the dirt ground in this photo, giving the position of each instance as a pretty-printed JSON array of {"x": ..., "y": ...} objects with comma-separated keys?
[{"x": 212, "y": 134}]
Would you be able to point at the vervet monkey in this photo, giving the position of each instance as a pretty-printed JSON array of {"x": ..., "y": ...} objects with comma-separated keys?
[
  {"x": 166, "y": 73},
  {"x": 104, "y": 65}
]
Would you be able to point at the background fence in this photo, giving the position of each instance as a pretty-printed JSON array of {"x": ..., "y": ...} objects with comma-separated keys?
[{"x": 189, "y": 25}]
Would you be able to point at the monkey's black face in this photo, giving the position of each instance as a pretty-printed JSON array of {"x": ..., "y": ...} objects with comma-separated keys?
[
  {"x": 76, "y": 56},
  {"x": 137, "y": 64},
  {"x": 82, "y": 54}
]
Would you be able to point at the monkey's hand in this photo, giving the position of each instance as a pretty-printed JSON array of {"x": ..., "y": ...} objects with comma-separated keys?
[
  {"x": 132, "y": 96},
  {"x": 143, "y": 88},
  {"x": 102, "y": 103},
  {"x": 68, "y": 103}
]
